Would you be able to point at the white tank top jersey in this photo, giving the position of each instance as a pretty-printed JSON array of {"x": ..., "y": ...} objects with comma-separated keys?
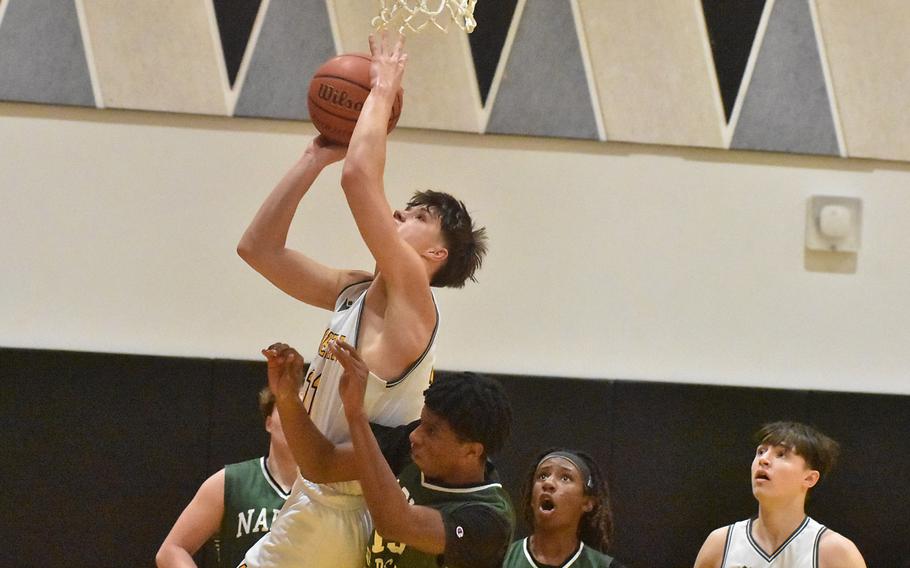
[
  {"x": 326, "y": 525},
  {"x": 800, "y": 550},
  {"x": 389, "y": 402}
]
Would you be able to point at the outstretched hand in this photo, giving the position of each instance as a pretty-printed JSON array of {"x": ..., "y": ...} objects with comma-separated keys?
[
  {"x": 285, "y": 370},
  {"x": 387, "y": 68},
  {"x": 353, "y": 385}
]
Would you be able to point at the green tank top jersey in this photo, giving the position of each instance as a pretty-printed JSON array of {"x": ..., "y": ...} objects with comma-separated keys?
[
  {"x": 585, "y": 557},
  {"x": 478, "y": 522},
  {"x": 252, "y": 499}
]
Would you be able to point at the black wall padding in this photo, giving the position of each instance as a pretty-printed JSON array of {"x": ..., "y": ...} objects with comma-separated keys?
[
  {"x": 238, "y": 431},
  {"x": 681, "y": 463},
  {"x": 867, "y": 498},
  {"x": 548, "y": 413},
  {"x": 102, "y": 452}
]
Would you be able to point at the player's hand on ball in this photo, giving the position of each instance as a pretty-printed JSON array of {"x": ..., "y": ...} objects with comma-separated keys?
[
  {"x": 353, "y": 384},
  {"x": 387, "y": 68},
  {"x": 326, "y": 152},
  {"x": 285, "y": 370}
]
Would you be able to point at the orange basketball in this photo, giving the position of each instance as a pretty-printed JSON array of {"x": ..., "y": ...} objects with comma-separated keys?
[{"x": 337, "y": 93}]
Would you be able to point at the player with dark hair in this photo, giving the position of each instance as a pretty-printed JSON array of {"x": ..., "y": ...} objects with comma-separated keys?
[
  {"x": 465, "y": 244},
  {"x": 434, "y": 497},
  {"x": 390, "y": 314},
  {"x": 234, "y": 507},
  {"x": 566, "y": 501},
  {"x": 790, "y": 460}
]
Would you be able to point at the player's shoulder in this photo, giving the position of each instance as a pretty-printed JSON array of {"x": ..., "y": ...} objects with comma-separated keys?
[
  {"x": 216, "y": 478},
  {"x": 351, "y": 285},
  {"x": 212, "y": 489},
  {"x": 253, "y": 463},
  {"x": 712, "y": 550},
  {"x": 354, "y": 280},
  {"x": 837, "y": 551},
  {"x": 718, "y": 536}
]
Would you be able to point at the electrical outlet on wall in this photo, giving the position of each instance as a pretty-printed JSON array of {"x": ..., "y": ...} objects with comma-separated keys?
[{"x": 833, "y": 223}]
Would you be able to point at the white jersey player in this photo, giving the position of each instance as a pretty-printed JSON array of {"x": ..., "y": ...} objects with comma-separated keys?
[
  {"x": 790, "y": 460},
  {"x": 390, "y": 315},
  {"x": 799, "y": 549}
]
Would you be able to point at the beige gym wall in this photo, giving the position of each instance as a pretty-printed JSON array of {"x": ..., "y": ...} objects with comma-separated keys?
[{"x": 118, "y": 228}]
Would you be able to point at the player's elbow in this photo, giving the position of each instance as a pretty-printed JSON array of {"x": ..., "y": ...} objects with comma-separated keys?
[
  {"x": 393, "y": 525},
  {"x": 250, "y": 250},
  {"x": 353, "y": 175},
  {"x": 246, "y": 246},
  {"x": 243, "y": 250},
  {"x": 389, "y": 529},
  {"x": 163, "y": 556},
  {"x": 359, "y": 174}
]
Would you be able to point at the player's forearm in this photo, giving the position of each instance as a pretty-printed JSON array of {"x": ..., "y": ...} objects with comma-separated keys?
[
  {"x": 385, "y": 500},
  {"x": 268, "y": 231},
  {"x": 172, "y": 556},
  {"x": 366, "y": 155},
  {"x": 316, "y": 456}
]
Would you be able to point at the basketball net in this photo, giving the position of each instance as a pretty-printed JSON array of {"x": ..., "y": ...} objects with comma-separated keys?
[{"x": 416, "y": 15}]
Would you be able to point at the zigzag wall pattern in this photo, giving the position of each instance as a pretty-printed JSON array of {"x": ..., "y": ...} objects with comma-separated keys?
[{"x": 773, "y": 75}]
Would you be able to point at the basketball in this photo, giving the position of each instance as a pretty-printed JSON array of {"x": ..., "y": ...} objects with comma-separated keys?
[{"x": 337, "y": 93}]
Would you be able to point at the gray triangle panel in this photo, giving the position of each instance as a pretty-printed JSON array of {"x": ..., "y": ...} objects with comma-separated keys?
[
  {"x": 42, "y": 59},
  {"x": 296, "y": 38},
  {"x": 544, "y": 89},
  {"x": 787, "y": 108}
]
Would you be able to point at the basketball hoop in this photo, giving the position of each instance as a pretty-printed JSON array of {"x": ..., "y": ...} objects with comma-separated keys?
[{"x": 415, "y": 15}]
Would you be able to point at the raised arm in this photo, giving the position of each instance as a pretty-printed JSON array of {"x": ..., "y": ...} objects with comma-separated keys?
[
  {"x": 319, "y": 460},
  {"x": 195, "y": 525},
  {"x": 264, "y": 244},
  {"x": 362, "y": 178},
  {"x": 394, "y": 518}
]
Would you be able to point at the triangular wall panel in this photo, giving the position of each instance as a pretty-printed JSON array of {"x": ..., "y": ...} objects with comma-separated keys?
[
  {"x": 160, "y": 56},
  {"x": 868, "y": 54},
  {"x": 494, "y": 18},
  {"x": 235, "y": 23},
  {"x": 654, "y": 73},
  {"x": 786, "y": 107},
  {"x": 296, "y": 38},
  {"x": 42, "y": 58},
  {"x": 544, "y": 89},
  {"x": 731, "y": 29}
]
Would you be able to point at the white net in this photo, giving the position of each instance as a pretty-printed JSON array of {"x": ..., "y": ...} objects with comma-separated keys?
[{"x": 416, "y": 15}]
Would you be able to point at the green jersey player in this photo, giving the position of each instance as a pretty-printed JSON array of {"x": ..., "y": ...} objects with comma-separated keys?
[{"x": 433, "y": 496}]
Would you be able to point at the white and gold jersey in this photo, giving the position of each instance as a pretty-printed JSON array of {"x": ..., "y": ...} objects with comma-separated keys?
[
  {"x": 326, "y": 526},
  {"x": 389, "y": 402}
]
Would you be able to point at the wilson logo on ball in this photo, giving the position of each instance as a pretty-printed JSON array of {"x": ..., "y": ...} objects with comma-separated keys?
[
  {"x": 338, "y": 98},
  {"x": 337, "y": 93}
]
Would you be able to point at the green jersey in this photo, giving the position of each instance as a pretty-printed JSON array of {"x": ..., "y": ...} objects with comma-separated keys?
[
  {"x": 519, "y": 556},
  {"x": 252, "y": 499},
  {"x": 478, "y": 519}
]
